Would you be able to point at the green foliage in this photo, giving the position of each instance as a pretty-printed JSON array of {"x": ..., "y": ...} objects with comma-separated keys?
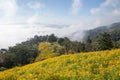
[
  {"x": 77, "y": 47},
  {"x": 9, "y": 61},
  {"x": 71, "y": 46},
  {"x": 88, "y": 45},
  {"x": 58, "y": 49},
  {"x": 52, "y": 38},
  {"x": 67, "y": 45},
  {"x": 2, "y": 58},
  {"x": 2, "y": 68},
  {"x": 21, "y": 54},
  {"x": 115, "y": 34},
  {"x": 88, "y": 40},
  {"x": 61, "y": 41},
  {"x": 104, "y": 41},
  {"x": 116, "y": 44}
]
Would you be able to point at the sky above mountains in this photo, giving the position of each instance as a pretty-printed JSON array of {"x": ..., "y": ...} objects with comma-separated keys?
[{"x": 22, "y": 19}]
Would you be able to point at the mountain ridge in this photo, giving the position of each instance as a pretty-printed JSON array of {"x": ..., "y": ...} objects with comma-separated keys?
[{"x": 112, "y": 29}]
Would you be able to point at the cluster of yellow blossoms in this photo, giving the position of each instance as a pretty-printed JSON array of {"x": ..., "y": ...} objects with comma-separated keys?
[{"x": 101, "y": 65}]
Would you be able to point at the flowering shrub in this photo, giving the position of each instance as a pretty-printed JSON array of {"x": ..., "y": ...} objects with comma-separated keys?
[{"x": 101, "y": 65}]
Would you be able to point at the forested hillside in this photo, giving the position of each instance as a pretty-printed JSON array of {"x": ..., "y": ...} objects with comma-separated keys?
[
  {"x": 43, "y": 47},
  {"x": 113, "y": 30}
]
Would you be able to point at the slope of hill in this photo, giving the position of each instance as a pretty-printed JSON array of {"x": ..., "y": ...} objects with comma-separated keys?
[
  {"x": 113, "y": 30},
  {"x": 46, "y": 50},
  {"x": 101, "y": 65}
]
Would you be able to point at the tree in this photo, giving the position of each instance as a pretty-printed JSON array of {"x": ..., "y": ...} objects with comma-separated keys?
[
  {"x": 9, "y": 61},
  {"x": 77, "y": 47},
  {"x": 2, "y": 56},
  {"x": 116, "y": 44},
  {"x": 104, "y": 41},
  {"x": 57, "y": 48},
  {"x": 3, "y": 51},
  {"x": 88, "y": 46},
  {"x": 61, "y": 41},
  {"x": 22, "y": 54},
  {"x": 67, "y": 45},
  {"x": 52, "y": 38}
]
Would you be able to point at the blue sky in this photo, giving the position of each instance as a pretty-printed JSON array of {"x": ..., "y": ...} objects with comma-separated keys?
[
  {"x": 62, "y": 11},
  {"x": 22, "y": 19}
]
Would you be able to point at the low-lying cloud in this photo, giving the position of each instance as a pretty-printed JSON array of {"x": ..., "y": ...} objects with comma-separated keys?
[{"x": 11, "y": 33}]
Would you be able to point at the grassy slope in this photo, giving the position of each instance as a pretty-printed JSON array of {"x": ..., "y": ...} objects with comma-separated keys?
[{"x": 102, "y": 65}]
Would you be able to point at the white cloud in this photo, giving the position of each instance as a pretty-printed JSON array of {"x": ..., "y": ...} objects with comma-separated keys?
[
  {"x": 8, "y": 11},
  {"x": 107, "y": 13},
  {"x": 8, "y": 7},
  {"x": 12, "y": 34},
  {"x": 76, "y": 6},
  {"x": 116, "y": 12},
  {"x": 36, "y": 5},
  {"x": 106, "y": 7},
  {"x": 33, "y": 19}
]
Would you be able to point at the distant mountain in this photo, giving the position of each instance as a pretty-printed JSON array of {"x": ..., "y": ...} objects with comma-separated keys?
[{"x": 113, "y": 30}]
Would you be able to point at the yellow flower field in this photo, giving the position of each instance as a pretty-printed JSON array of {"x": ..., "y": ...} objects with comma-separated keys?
[{"x": 101, "y": 65}]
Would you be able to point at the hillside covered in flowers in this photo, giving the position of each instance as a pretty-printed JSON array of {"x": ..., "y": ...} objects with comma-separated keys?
[{"x": 100, "y": 65}]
